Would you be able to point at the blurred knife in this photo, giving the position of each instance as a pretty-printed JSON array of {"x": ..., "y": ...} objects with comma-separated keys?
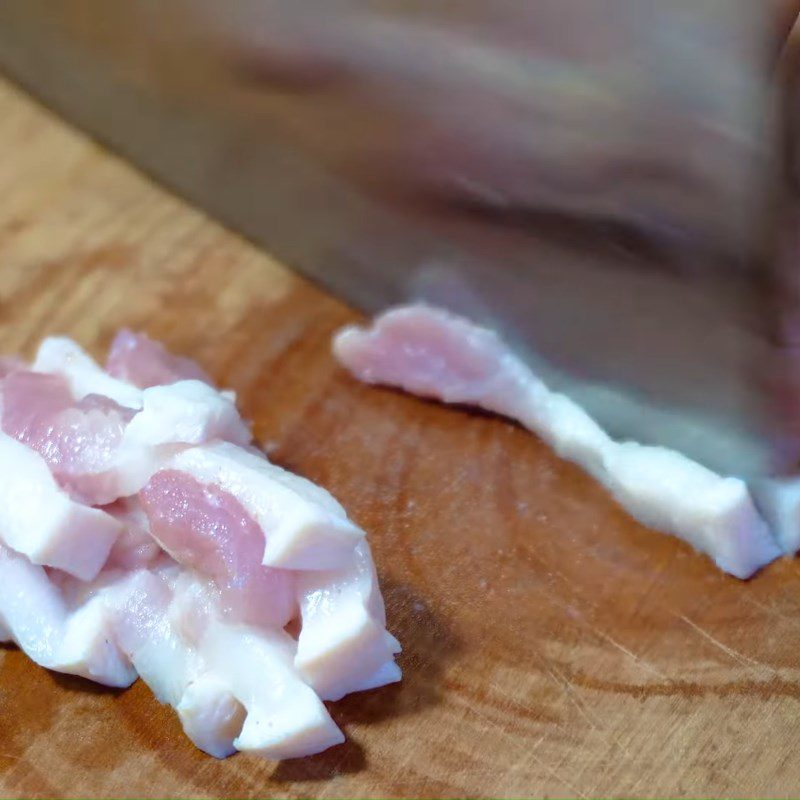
[{"x": 597, "y": 180}]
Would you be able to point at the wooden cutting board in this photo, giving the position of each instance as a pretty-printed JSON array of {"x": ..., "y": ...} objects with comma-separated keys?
[{"x": 551, "y": 645}]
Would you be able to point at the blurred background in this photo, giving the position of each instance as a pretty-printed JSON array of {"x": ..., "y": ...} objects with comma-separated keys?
[{"x": 605, "y": 183}]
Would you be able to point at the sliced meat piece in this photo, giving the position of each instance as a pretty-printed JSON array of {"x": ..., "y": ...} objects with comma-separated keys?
[
  {"x": 144, "y": 362},
  {"x": 285, "y": 718},
  {"x": 33, "y": 614},
  {"x": 436, "y": 354},
  {"x": 61, "y": 356},
  {"x": 234, "y": 686},
  {"x": 150, "y": 635},
  {"x": 206, "y": 528},
  {"x": 79, "y": 440},
  {"x": 201, "y": 620},
  {"x": 151, "y": 640},
  {"x": 39, "y": 520},
  {"x": 303, "y": 526},
  {"x": 135, "y": 548},
  {"x": 99, "y": 450},
  {"x": 211, "y": 716},
  {"x": 186, "y": 412},
  {"x": 343, "y": 645}
]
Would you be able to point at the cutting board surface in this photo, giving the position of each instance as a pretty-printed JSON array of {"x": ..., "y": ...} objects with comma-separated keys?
[{"x": 552, "y": 646}]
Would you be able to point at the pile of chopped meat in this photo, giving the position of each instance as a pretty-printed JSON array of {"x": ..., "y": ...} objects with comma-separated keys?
[
  {"x": 142, "y": 534},
  {"x": 433, "y": 353}
]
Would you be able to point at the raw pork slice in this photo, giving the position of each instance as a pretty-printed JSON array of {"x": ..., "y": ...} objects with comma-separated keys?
[
  {"x": 38, "y": 519},
  {"x": 342, "y": 614},
  {"x": 205, "y": 528},
  {"x": 303, "y": 526},
  {"x": 234, "y": 686},
  {"x": 79, "y": 439},
  {"x": 435, "y": 354},
  {"x": 99, "y": 450},
  {"x": 185, "y": 412},
  {"x": 35, "y": 615},
  {"x": 59, "y": 355},
  {"x": 140, "y": 360},
  {"x": 142, "y": 533}
]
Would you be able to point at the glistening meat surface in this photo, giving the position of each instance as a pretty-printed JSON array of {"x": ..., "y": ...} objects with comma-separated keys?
[
  {"x": 142, "y": 533},
  {"x": 436, "y": 354}
]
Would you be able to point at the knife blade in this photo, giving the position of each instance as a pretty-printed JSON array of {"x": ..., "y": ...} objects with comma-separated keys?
[{"x": 600, "y": 182}]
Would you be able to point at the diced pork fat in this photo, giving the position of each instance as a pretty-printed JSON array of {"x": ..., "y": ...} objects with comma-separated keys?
[
  {"x": 433, "y": 353},
  {"x": 233, "y": 686},
  {"x": 285, "y": 718},
  {"x": 99, "y": 450}
]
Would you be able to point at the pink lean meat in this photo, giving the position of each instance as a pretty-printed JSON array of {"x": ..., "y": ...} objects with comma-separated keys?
[
  {"x": 79, "y": 440},
  {"x": 141, "y": 533},
  {"x": 144, "y": 362},
  {"x": 435, "y": 354},
  {"x": 205, "y": 528}
]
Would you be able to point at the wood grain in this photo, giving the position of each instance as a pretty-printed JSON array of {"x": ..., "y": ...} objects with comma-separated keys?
[{"x": 552, "y": 645}]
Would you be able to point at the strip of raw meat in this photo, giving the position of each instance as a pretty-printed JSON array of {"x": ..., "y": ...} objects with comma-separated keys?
[
  {"x": 170, "y": 667},
  {"x": 234, "y": 686},
  {"x": 343, "y": 644},
  {"x": 98, "y": 450},
  {"x": 39, "y": 520},
  {"x": 138, "y": 359},
  {"x": 79, "y": 440},
  {"x": 285, "y": 718},
  {"x": 436, "y": 354},
  {"x": 172, "y": 465},
  {"x": 303, "y": 526},
  {"x": 186, "y": 412},
  {"x": 779, "y": 501},
  {"x": 205, "y": 528},
  {"x": 35, "y": 616},
  {"x": 135, "y": 547},
  {"x": 61, "y": 356}
]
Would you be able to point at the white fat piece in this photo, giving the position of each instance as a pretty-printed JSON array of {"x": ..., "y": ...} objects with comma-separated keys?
[
  {"x": 211, "y": 716},
  {"x": 436, "y": 354},
  {"x": 303, "y": 526},
  {"x": 39, "y": 520},
  {"x": 61, "y": 356},
  {"x": 75, "y": 641},
  {"x": 186, "y": 412},
  {"x": 173, "y": 417},
  {"x": 665, "y": 490},
  {"x": 343, "y": 645},
  {"x": 149, "y": 636},
  {"x": 285, "y": 718}
]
